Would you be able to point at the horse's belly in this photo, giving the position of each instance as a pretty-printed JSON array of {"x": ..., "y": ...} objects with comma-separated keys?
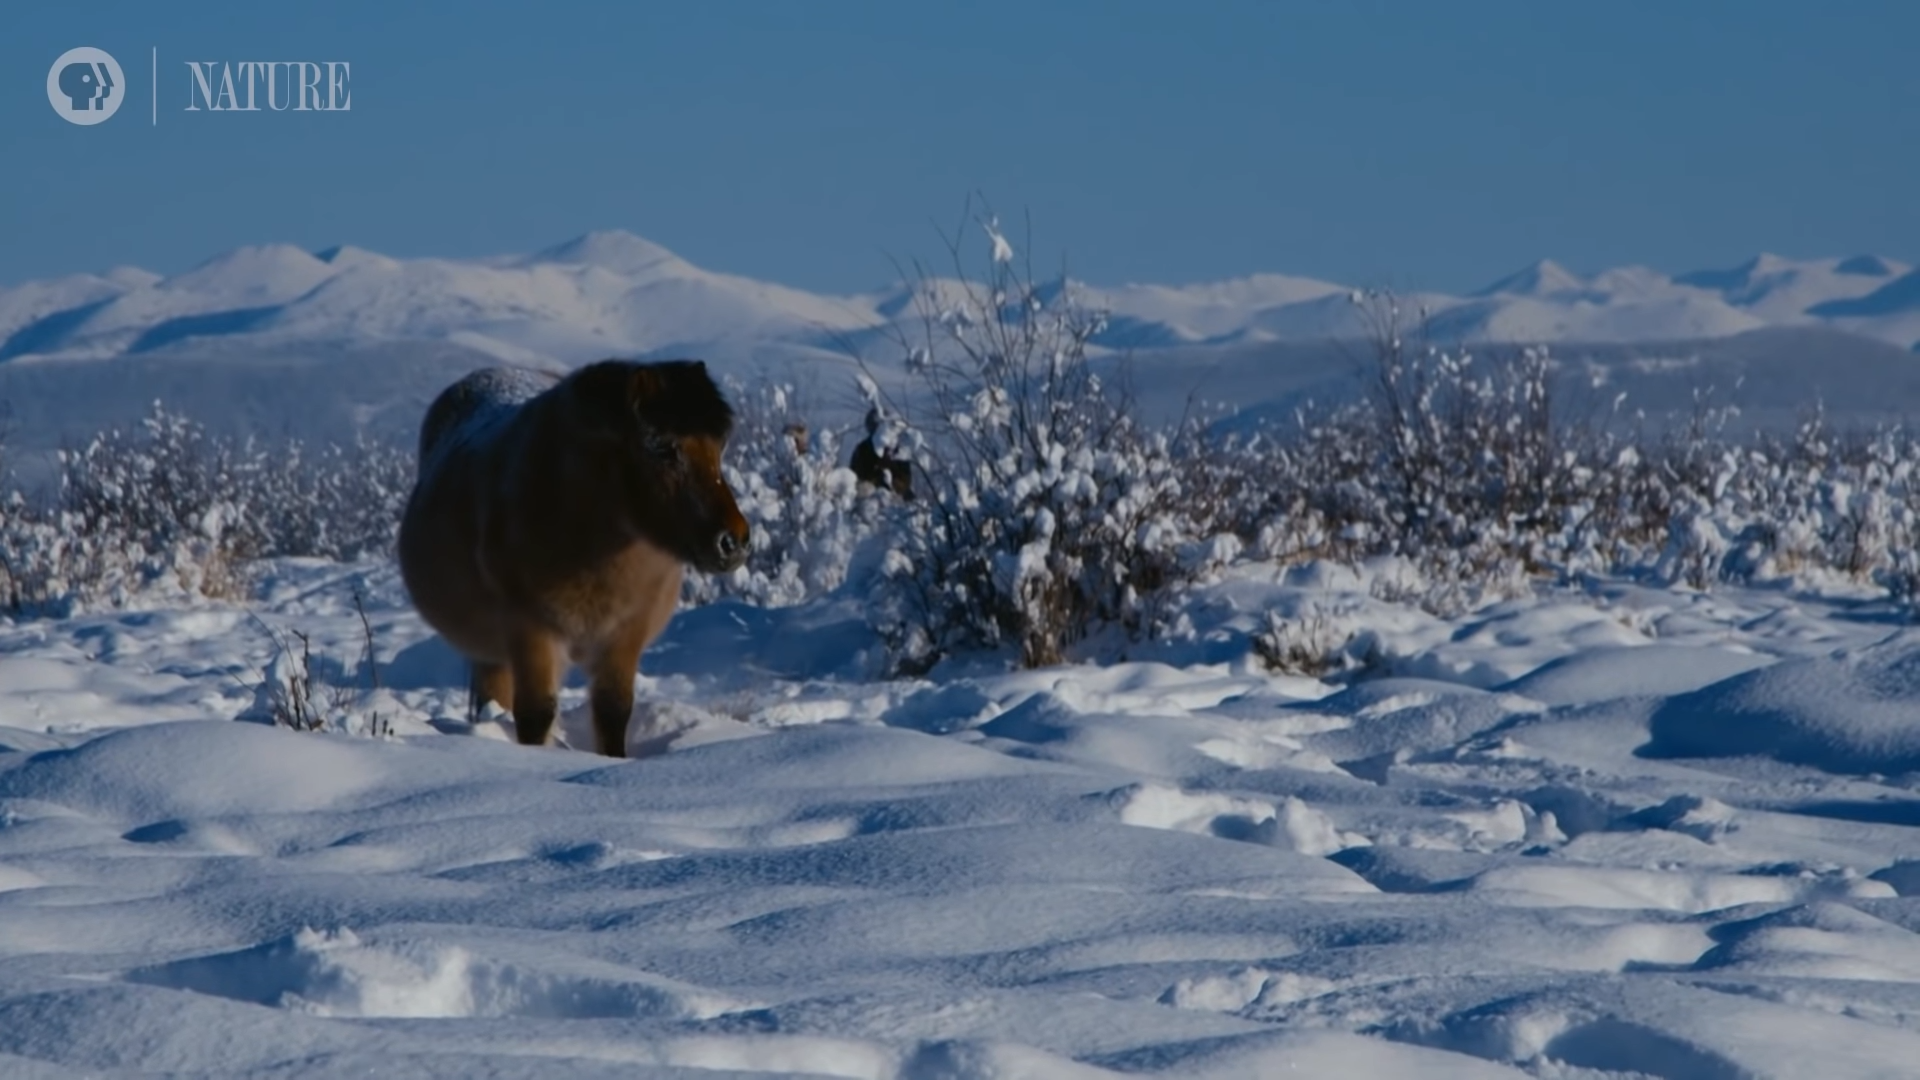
[
  {"x": 480, "y": 587},
  {"x": 438, "y": 563}
]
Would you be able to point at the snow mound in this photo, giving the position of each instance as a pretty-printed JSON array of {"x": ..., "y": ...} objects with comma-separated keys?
[
  {"x": 335, "y": 973},
  {"x": 169, "y": 771},
  {"x": 1314, "y": 1054},
  {"x": 1822, "y": 940},
  {"x": 1151, "y": 868},
  {"x": 1846, "y": 714},
  {"x": 1601, "y": 674},
  {"x": 1291, "y": 825}
]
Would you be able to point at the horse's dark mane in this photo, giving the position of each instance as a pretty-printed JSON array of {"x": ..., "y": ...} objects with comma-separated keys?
[
  {"x": 689, "y": 402},
  {"x": 675, "y": 397}
]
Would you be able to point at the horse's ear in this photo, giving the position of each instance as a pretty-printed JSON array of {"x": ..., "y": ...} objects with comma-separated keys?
[{"x": 643, "y": 386}]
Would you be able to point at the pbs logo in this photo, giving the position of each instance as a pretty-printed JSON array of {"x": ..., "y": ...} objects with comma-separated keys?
[{"x": 85, "y": 86}]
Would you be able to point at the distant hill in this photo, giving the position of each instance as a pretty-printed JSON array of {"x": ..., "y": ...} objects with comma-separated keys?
[{"x": 276, "y": 339}]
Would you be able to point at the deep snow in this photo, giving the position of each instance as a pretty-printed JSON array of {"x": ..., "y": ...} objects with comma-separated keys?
[{"x": 1614, "y": 833}]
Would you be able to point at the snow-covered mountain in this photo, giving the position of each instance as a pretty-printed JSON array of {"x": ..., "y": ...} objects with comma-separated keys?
[
  {"x": 613, "y": 292},
  {"x": 1891, "y": 311},
  {"x": 600, "y": 294},
  {"x": 321, "y": 343}
]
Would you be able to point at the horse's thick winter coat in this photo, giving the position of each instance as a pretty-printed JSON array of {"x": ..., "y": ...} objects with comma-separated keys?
[{"x": 550, "y": 521}]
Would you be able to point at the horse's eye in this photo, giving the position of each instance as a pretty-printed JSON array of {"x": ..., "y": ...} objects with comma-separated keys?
[{"x": 666, "y": 451}]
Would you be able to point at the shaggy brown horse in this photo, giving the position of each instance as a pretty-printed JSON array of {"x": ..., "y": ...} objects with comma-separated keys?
[{"x": 550, "y": 520}]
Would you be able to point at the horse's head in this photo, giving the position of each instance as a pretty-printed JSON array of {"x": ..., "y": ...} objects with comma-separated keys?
[{"x": 674, "y": 424}]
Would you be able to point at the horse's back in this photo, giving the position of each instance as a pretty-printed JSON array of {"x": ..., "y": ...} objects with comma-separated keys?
[{"x": 476, "y": 405}]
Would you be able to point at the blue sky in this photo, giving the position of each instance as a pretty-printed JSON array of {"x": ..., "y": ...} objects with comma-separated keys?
[{"x": 1415, "y": 144}]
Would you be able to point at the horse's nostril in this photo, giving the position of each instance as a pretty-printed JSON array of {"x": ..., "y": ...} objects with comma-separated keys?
[{"x": 729, "y": 547}]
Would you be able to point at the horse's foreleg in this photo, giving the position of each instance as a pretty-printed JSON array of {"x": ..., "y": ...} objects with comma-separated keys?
[
  {"x": 535, "y": 682},
  {"x": 612, "y": 673}
]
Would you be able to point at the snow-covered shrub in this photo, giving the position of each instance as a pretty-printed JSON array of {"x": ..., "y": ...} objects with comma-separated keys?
[
  {"x": 1453, "y": 462},
  {"x": 1312, "y": 644},
  {"x": 169, "y": 506},
  {"x": 1471, "y": 471},
  {"x": 1045, "y": 509},
  {"x": 296, "y": 692},
  {"x": 1839, "y": 503},
  {"x": 806, "y": 510},
  {"x": 1051, "y": 510},
  {"x": 132, "y": 512},
  {"x": 332, "y": 502}
]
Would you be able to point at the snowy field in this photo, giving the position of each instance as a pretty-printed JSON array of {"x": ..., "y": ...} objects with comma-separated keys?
[{"x": 1628, "y": 832}]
